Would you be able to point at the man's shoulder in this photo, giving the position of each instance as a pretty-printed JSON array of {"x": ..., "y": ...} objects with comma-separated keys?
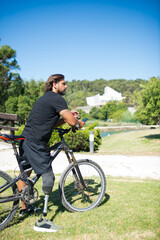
[
  {"x": 53, "y": 98},
  {"x": 51, "y": 94}
]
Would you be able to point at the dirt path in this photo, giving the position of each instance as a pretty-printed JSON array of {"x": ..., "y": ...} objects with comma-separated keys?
[{"x": 113, "y": 165}]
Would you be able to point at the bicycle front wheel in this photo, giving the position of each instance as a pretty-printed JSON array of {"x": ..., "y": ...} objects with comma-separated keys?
[
  {"x": 8, "y": 207},
  {"x": 73, "y": 196}
]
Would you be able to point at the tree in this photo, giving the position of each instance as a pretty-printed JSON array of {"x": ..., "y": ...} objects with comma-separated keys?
[
  {"x": 95, "y": 113},
  {"x": 8, "y": 63},
  {"x": 24, "y": 108},
  {"x": 149, "y": 102},
  {"x": 11, "y": 105},
  {"x": 82, "y": 113},
  {"x": 111, "y": 108}
]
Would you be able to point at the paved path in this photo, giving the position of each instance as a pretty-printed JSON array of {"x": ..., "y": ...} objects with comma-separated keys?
[{"x": 113, "y": 165}]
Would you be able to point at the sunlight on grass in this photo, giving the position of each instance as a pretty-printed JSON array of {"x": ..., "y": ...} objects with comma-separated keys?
[
  {"x": 141, "y": 142},
  {"x": 129, "y": 211}
]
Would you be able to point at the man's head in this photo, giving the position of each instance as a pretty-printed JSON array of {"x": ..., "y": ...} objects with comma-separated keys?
[{"x": 56, "y": 83}]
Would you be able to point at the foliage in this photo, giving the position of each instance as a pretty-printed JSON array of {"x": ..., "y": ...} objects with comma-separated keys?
[
  {"x": 54, "y": 138},
  {"x": 96, "y": 113},
  {"x": 117, "y": 116},
  {"x": 78, "y": 90},
  {"x": 20, "y": 130},
  {"x": 110, "y": 108},
  {"x": 18, "y": 97},
  {"x": 8, "y": 63},
  {"x": 82, "y": 113},
  {"x": 91, "y": 126},
  {"x": 11, "y": 104},
  {"x": 79, "y": 141},
  {"x": 149, "y": 102},
  {"x": 128, "y": 117}
]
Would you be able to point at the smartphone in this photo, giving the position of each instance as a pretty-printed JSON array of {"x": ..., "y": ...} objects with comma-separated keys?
[{"x": 85, "y": 119}]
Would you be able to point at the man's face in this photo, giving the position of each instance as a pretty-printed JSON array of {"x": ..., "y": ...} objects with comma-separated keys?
[{"x": 61, "y": 87}]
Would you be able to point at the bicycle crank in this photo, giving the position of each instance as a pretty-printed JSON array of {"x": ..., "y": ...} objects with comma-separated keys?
[{"x": 29, "y": 196}]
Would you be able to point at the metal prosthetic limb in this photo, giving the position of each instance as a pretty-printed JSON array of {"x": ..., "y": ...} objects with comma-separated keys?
[
  {"x": 46, "y": 197},
  {"x": 44, "y": 214}
]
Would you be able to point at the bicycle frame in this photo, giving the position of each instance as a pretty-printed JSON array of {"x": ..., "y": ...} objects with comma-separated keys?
[
  {"x": 70, "y": 156},
  {"x": 58, "y": 147}
]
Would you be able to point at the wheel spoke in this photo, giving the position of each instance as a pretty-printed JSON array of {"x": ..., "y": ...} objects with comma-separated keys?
[
  {"x": 7, "y": 209},
  {"x": 74, "y": 197}
]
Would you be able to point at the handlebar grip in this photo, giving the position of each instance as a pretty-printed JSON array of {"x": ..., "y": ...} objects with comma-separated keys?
[{"x": 85, "y": 119}]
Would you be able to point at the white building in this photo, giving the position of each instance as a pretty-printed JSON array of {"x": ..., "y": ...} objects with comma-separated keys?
[{"x": 109, "y": 95}]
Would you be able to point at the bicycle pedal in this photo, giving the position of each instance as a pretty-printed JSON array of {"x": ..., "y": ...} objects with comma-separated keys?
[{"x": 37, "y": 211}]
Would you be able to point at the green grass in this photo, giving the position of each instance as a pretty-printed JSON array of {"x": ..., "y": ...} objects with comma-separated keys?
[
  {"x": 141, "y": 142},
  {"x": 129, "y": 211}
]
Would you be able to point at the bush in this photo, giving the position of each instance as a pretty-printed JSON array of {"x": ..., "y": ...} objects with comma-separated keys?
[
  {"x": 128, "y": 117},
  {"x": 95, "y": 113},
  {"x": 117, "y": 116},
  {"x": 79, "y": 141},
  {"x": 20, "y": 130}
]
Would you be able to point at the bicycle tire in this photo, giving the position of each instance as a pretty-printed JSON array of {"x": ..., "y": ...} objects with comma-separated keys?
[
  {"x": 7, "y": 209},
  {"x": 75, "y": 199}
]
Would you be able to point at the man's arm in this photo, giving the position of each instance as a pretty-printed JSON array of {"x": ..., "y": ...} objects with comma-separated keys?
[
  {"x": 68, "y": 117},
  {"x": 59, "y": 123}
]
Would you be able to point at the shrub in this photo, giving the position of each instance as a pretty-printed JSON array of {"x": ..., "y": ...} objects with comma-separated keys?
[
  {"x": 95, "y": 113},
  {"x": 79, "y": 141},
  {"x": 128, "y": 117},
  {"x": 117, "y": 116},
  {"x": 20, "y": 130}
]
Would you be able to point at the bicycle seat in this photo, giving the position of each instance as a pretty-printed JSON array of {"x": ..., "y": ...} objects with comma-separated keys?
[{"x": 7, "y": 138}]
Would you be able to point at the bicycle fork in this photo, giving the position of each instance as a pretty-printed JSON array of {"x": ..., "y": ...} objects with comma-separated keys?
[{"x": 76, "y": 171}]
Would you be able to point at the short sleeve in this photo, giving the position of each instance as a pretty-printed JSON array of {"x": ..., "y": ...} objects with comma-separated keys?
[{"x": 60, "y": 103}]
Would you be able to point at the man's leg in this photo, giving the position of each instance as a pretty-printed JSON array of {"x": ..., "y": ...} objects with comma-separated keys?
[
  {"x": 45, "y": 225},
  {"x": 21, "y": 185},
  {"x": 47, "y": 185}
]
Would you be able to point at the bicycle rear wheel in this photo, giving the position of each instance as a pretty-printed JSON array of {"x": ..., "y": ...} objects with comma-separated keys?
[
  {"x": 73, "y": 196},
  {"x": 7, "y": 209}
]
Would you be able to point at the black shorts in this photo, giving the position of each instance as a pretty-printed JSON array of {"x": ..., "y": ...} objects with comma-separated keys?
[{"x": 38, "y": 156}]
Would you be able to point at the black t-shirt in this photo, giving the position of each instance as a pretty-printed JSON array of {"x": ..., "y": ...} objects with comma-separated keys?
[{"x": 43, "y": 117}]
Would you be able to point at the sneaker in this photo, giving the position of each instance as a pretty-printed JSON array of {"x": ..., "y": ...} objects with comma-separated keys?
[
  {"x": 46, "y": 225},
  {"x": 29, "y": 210}
]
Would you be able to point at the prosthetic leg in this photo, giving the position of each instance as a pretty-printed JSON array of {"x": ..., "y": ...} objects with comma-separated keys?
[
  {"x": 44, "y": 214},
  {"x": 43, "y": 224}
]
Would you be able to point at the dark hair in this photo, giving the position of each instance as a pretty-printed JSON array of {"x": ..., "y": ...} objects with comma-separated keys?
[{"x": 53, "y": 78}]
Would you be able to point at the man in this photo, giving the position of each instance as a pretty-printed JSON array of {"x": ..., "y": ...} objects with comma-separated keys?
[{"x": 49, "y": 111}]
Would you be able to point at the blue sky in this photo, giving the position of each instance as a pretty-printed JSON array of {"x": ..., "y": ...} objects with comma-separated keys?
[{"x": 95, "y": 39}]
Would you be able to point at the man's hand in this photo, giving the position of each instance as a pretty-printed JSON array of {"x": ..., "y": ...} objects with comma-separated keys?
[
  {"x": 69, "y": 117},
  {"x": 81, "y": 123},
  {"x": 75, "y": 114}
]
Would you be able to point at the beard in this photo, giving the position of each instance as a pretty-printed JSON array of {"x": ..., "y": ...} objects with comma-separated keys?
[{"x": 62, "y": 92}]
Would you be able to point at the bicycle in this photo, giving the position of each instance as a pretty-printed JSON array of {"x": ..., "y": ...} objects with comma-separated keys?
[{"x": 82, "y": 185}]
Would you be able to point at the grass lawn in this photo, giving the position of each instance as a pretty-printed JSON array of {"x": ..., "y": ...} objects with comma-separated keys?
[
  {"x": 140, "y": 142},
  {"x": 129, "y": 211}
]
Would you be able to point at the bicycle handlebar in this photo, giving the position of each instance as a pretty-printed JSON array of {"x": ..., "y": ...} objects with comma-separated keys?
[{"x": 63, "y": 131}]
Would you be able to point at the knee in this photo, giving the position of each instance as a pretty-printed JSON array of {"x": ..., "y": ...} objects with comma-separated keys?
[{"x": 48, "y": 182}]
